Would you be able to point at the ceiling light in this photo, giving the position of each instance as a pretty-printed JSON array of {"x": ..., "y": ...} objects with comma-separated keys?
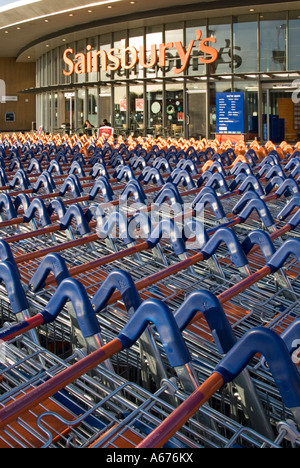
[{"x": 69, "y": 10}]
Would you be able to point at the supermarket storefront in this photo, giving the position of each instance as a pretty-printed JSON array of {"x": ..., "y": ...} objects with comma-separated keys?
[{"x": 165, "y": 79}]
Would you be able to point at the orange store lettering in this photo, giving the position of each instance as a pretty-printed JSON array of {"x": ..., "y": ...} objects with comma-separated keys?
[{"x": 127, "y": 57}]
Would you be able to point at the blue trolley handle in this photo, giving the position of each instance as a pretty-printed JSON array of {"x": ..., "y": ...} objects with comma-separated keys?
[
  {"x": 169, "y": 227},
  {"x": 160, "y": 315},
  {"x": 227, "y": 236},
  {"x": 52, "y": 263},
  {"x": 273, "y": 348},
  {"x": 10, "y": 276},
  {"x": 117, "y": 280},
  {"x": 72, "y": 290}
]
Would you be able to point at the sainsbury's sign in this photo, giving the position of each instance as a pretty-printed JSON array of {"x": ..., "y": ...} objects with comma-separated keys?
[{"x": 127, "y": 57}]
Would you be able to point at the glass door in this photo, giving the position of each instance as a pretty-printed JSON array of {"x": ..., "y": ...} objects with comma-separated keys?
[{"x": 196, "y": 112}]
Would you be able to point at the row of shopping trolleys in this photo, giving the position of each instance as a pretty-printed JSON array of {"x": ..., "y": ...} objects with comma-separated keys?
[{"x": 149, "y": 300}]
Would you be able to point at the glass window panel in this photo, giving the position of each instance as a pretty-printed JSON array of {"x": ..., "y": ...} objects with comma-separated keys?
[
  {"x": 93, "y": 42},
  {"x": 195, "y": 67},
  {"x": 81, "y": 49},
  {"x": 173, "y": 33},
  {"x": 136, "y": 110},
  {"x": 118, "y": 37},
  {"x": 136, "y": 40},
  {"x": 105, "y": 104},
  {"x": 294, "y": 49},
  {"x": 120, "y": 109},
  {"x": 174, "y": 110},
  {"x": 273, "y": 42},
  {"x": 250, "y": 90},
  {"x": 196, "y": 101},
  {"x": 154, "y": 109},
  {"x": 245, "y": 44},
  {"x": 105, "y": 44},
  {"x": 93, "y": 106},
  {"x": 80, "y": 108},
  {"x": 222, "y": 33},
  {"x": 154, "y": 36}
]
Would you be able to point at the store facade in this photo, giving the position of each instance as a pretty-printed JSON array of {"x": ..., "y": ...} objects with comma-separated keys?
[{"x": 164, "y": 79}]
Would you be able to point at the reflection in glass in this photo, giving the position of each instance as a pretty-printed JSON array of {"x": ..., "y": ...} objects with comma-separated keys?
[
  {"x": 222, "y": 33},
  {"x": 195, "y": 67},
  {"x": 154, "y": 110},
  {"x": 120, "y": 109},
  {"x": 173, "y": 33},
  {"x": 174, "y": 110},
  {"x": 294, "y": 50},
  {"x": 154, "y": 36},
  {"x": 245, "y": 57},
  {"x": 196, "y": 110},
  {"x": 273, "y": 36},
  {"x": 136, "y": 110}
]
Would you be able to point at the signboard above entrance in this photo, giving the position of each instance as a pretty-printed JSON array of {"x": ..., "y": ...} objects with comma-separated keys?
[{"x": 127, "y": 57}]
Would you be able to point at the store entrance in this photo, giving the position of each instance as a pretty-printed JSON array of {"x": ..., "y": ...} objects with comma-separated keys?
[
  {"x": 196, "y": 113},
  {"x": 280, "y": 113}
]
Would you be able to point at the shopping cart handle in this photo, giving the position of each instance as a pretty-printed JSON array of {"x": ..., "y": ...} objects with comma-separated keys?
[
  {"x": 6, "y": 255},
  {"x": 45, "y": 180},
  {"x": 276, "y": 180},
  {"x": 37, "y": 207},
  {"x": 252, "y": 182},
  {"x": 76, "y": 167},
  {"x": 292, "y": 163},
  {"x": 52, "y": 263},
  {"x": 188, "y": 165},
  {"x": 217, "y": 180},
  {"x": 10, "y": 275},
  {"x": 72, "y": 183},
  {"x": 117, "y": 280},
  {"x": 20, "y": 179},
  {"x": 273, "y": 348},
  {"x": 261, "y": 208},
  {"x": 22, "y": 200},
  {"x": 99, "y": 169},
  {"x": 275, "y": 170},
  {"x": 61, "y": 156},
  {"x": 168, "y": 227},
  {"x": 15, "y": 163},
  {"x": 210, "y": 199},
  {"x": 184, "y": 177},
  {"x": 151, "y": 174},
  {"x": 195, "y": 228},
  {"x": 102, "y": 185},
  {"x": 117, "y": 160},
  {"x": 95, "y": 212},
  {"x": 3, "y": 178},
  {"x": 291, "y": 205},
  {"x": 241, "y": 168},
  {"x": 75, "y": 212},
  {"x": 34, "y": 164},
  {"x": 162, "y": 163},
  {"x": 288, "y": 187},
  {"x": 291, "y": 337},
  {"x": 209, "y": 305},
  {"x": 205, "y": 177},
  {"x": 219, "y": 166},
  {"x": 139, "y": 162},
  {"x": 156, "y": 312},
  {"x": 124, "y": 172},
  {"x": 54, "y": 165},
  {"x": 142, "y": 222},
  {"x": 229, "y": 237},
  {"x": 263, "y": 240},
  {"x": 116, "y": 220},
  {"x": 72, "y": 290},
  {"x": 135, "y": 189},
  {"x": 78, "y": 157},
  {"x": 58, "y": 207},
  {"x": 239, "y": 178},
  {"x": 290, "y": 247},
  {"x": 169, "y": 191},
  {"x": 7, "y": 205},
  {"x": 240, "y": 205}
]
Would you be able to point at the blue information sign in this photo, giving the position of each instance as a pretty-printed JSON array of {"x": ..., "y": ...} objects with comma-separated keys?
[{"x": 230, "y": 113}]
